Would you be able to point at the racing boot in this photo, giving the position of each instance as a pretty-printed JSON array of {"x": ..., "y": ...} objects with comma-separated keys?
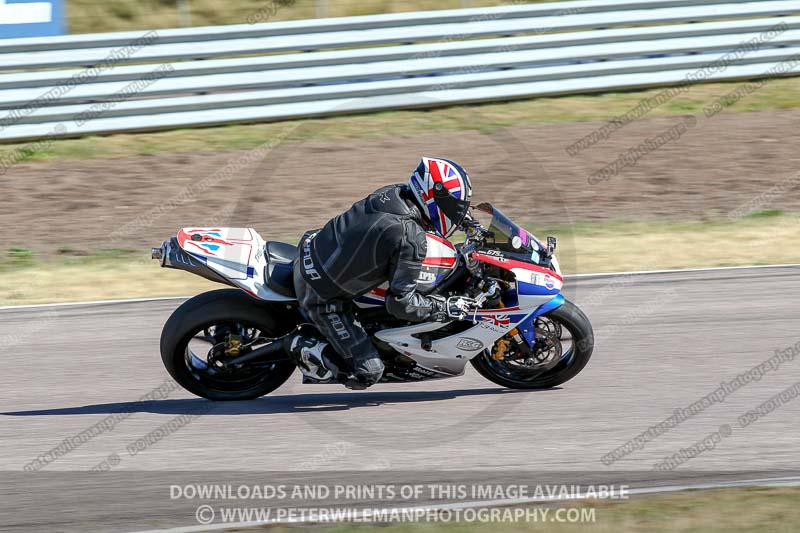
[
  {"x": 366, "y": 373},
  {"x": 363, "y": 375},
  {"x": 307, "y": 352}
]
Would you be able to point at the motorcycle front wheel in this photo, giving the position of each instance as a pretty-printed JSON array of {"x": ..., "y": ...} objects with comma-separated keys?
[
  {"x": 213, "y": 326},
  {"x": 568, "y": 328}
]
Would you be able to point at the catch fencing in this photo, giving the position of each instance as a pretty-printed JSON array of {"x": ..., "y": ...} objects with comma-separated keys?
[{"x": 189, "y": 77}]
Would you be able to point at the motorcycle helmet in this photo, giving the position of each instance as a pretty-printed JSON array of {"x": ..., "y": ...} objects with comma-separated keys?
[{"x": 442, "y": 191}]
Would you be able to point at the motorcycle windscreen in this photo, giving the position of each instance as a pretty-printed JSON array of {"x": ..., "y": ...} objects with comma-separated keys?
[{"x": 510, "y": 237}]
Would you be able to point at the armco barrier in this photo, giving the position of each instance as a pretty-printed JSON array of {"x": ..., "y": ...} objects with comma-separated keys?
[{"x": 134, "y": 81}]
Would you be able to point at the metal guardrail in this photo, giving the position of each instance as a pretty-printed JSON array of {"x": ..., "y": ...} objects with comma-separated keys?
[
  {"x": 242, "y": 73},
  {"x": 210, "y": 33}
]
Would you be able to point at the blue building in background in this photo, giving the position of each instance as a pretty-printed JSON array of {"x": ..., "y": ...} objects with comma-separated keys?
[{"x": 31, "y": 18}]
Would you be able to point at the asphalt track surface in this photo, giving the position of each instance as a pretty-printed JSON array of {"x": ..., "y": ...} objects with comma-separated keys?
[{"x": 663, "y": 341}]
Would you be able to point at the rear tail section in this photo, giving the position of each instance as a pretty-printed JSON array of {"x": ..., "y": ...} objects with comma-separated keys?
[
  {"x": 172, "y": 255},
  {"x": 231, "y": 256}
]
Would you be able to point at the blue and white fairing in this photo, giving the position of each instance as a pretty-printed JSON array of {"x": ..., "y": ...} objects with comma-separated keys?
[{"x": 537, "y": 291}]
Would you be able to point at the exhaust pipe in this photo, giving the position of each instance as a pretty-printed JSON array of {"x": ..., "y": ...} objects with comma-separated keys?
[
  {"x": 263, "y": 353},
  {"x": 171, "y": 255}
]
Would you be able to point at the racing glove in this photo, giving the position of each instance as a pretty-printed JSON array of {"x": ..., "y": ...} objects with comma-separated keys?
[{"x": 452, "y": 308}]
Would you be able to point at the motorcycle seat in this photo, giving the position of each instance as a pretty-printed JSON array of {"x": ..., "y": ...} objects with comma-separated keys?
[
  {"x": 280, "y": 267},
  {"x": 281, "y": 279},
  {"x": 280, "y": 252}
]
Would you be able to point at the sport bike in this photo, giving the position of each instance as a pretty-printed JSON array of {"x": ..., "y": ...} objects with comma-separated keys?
[{"x": 228, "y": 344}]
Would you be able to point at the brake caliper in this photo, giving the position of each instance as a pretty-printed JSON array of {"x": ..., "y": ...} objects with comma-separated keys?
[
  {"x": 500, "y": 349},
  {"x": 233, "y": 345}
]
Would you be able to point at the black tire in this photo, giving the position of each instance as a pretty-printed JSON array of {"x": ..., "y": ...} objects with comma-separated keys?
[
  {"x": 224, "y": 305},
  {"x": 572, "y": 319}
]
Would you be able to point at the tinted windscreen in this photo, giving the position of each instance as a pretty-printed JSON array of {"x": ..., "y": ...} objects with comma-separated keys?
[{"x": 507, "y": 234}]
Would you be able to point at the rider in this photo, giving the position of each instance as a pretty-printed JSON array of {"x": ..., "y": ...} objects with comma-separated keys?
[{"x": 380, "y": 238}]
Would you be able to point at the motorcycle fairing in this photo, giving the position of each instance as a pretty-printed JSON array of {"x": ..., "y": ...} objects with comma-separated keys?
[
  {"x": 537, "y": 292},
  {"x": 237, "y": 254},
  {"x": 450, "y": 354},
  {"x": 536, "y": 286},
  {"x": 527, "y": 327},
  {"x": 532, "y": 280}
]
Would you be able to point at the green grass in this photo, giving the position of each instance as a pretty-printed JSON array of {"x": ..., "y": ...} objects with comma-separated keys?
[
  {"x": 765, "y": 213},
  {"x": 17, "y": 257},
  {"x": 749, "y": 510},
  {"x": 776, "y": 95},
  {"x": 583, "y": 247},
  {"x": 88, "y": 16}
]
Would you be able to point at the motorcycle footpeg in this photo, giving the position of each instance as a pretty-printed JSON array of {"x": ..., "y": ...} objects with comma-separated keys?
[
  {"x": 353, "y": 383},
  {"x": 308, "y": 380},
  {"x": 346, "y": 379},
  {"x": 338, "y": 375}
]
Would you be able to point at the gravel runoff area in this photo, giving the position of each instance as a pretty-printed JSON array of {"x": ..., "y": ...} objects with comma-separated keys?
[{"x": 729, "y": 163}]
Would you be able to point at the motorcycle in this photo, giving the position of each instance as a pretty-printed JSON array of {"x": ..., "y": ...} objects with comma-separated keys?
[{"x": 228, "y": 344}]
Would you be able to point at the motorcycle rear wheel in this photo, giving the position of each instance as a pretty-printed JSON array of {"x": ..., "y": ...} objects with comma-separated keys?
[
  {"x": 572, "y": 361},
  {"x": 205, "y": 320}
]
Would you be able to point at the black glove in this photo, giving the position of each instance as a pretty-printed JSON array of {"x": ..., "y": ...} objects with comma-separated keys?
[{"x": 453, "y": 308}]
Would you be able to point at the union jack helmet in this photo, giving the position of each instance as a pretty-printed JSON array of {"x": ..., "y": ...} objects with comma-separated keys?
[{"x": 443, "y": 191}]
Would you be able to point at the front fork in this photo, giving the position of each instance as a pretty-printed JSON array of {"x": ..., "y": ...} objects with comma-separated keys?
[
  {"x": 527, "y": 327},
  {"x": 529, "y": 348}
]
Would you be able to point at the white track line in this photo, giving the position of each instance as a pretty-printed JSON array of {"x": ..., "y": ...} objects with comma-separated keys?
[
  {"x": 678, "y": 271},
  {"x": 96, "y": 302},
  {"x": 766, "y": 482},
  {"x": 571, "y": 276}
]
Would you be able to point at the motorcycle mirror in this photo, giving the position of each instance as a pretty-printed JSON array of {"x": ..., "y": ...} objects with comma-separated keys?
[{"x": 551, "y": 245}]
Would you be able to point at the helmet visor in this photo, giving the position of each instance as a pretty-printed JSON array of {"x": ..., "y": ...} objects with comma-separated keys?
[{"x": 453, "y": 208}]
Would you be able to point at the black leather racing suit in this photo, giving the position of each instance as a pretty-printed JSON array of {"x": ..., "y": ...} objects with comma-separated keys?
[{"x": 378, "y": 239}]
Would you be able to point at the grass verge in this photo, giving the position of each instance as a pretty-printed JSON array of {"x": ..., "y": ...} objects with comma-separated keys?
[
  {"x": 124, "y": 15},
  {"x": 762, "y": 238},
  {"x": 777, "y": 94},
  {"x": 747, "y": 510}
]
